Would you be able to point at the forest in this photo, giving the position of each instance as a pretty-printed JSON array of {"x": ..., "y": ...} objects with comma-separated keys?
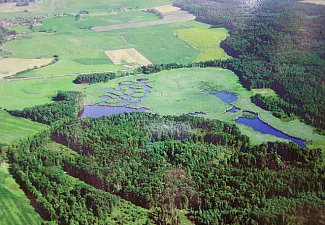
[
  {"x": 275, "y": 44},
  {"x": 164, "y": 164}
]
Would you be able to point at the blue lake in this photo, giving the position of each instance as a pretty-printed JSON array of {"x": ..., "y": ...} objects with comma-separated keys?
[
  {"x": 227, "y": 96},
  {"x": 234, "y": 109},
  {"x": 258, "y": 125},
  {"x": 97, "y": 111}
]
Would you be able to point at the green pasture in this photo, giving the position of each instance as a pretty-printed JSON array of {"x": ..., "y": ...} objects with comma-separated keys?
[
  {"x": 176, "y": 92},
  {"x": 14, "y": 128},
  {"x": 15, "y": 208},
  {"x": 207, "y": 41},
  {"x": 20, "y": 94}
]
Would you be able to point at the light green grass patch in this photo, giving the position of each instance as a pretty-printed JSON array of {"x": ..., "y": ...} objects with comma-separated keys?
[
  {"x": 20, "y": 94},
  {"x": 207, "y": 41},
  {"x": 15, "y": 207},
  {"x": 14, "y": 128},
  {"x": 264, "y": 92}
]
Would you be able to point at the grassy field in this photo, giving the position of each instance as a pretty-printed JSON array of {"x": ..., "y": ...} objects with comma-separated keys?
[
  {"x": 207, "y": 41},
  {"x": 15, "y": 208},
  {"x": 26, "y": 93},
  {"x": 14, "y": 128},
  {"x": 176, "y": 92}
]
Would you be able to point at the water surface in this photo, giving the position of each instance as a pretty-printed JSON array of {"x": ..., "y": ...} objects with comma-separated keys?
[
  {"x": 227, "y": 96},
  {"x": 97, "y": 111},
  {"x": 258, "y": 125}
]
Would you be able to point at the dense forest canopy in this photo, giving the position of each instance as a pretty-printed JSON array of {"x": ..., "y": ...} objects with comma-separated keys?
[
  {"x": 276, "y": 44},
  {"x": 168, "y": 163}
]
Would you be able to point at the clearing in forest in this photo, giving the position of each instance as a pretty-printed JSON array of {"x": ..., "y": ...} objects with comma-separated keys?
[
  {"x": 11, "y": 66},
  {"x": 130, "y": 55}
]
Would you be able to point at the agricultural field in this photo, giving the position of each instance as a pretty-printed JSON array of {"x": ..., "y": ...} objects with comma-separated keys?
[
  {"x": 59, "y": 6},
  {"x": 15, "y": 207},
  {"x": 130, "y": 56},
  {"x": 12, "y": 66},
  {"x": 14, "y": 128},
  {"x": 168, "y": 15},
  {"x": 83, "y": 50},
  {"x": 207, "y": 41}
]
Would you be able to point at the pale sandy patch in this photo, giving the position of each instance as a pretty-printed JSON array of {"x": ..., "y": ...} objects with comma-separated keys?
[
  {"x": 75, "y": 40},
  {"x": 12, "y": 8},
  {"x": 167, "y": 9},
  {"x": 318, "y": 2},
  {"x": 130, "y": 55},
  {"x": 11, "y": 66}
]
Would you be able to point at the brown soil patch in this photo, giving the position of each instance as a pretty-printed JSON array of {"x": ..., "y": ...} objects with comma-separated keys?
[{"x": 130, "y": 55}]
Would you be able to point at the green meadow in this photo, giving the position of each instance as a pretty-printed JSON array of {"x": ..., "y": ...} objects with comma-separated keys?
[
  {"x": 176, "y": 92},
  {"x": 207, "y": 41},
  {"x": 14, "y": 128},
  {"x": 15, "y": 207},
  {"x": 20, "y": 94}
]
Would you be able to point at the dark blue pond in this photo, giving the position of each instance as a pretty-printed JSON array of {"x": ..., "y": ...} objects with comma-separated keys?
[
  {"x": 195, "y": 114},
  {"x": 234, "y": 109},
  {"x": 96, "y": 111},
  {"x": 264, "y": 128},
  {"x": 227, "y": 96}
]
